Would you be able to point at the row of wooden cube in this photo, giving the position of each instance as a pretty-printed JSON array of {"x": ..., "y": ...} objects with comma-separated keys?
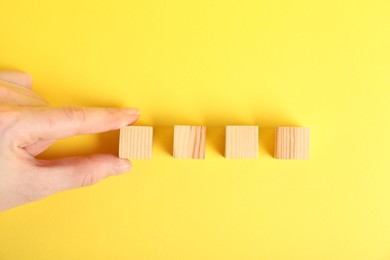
[{"x": 241, "y": 142}]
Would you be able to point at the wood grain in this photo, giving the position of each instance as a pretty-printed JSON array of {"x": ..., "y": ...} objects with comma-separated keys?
[
  {"x": 189, "y": 142},
  {"x": 292, "y": 143},
  {"x": 135, "y": 142},
  {"x": 242, "y": 142}
]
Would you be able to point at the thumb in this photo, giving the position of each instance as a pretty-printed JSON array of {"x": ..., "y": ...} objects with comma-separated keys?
[{"x": 76, "y": 172}]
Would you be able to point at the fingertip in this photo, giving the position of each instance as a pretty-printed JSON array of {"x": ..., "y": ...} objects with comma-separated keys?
[
  {"x": 131, "y": 117},
  {"x": 122, "y": 166}
]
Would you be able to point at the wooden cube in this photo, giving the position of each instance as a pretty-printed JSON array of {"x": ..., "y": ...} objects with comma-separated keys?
[
  {"x": 136, "y": 142},
  {"x": 189, "y": 142},
  {"x": 242, "y": 142},
  {"x": 292, "y": 143}
]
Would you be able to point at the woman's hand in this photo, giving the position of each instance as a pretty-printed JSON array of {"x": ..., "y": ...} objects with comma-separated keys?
[{"x": 29, "y": 125}]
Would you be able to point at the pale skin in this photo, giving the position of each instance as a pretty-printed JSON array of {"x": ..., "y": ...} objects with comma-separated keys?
[{"x": 29, "y": 125}]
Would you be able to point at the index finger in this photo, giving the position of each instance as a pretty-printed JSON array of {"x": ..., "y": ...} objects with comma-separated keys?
[{"x": 56, "y": 123}]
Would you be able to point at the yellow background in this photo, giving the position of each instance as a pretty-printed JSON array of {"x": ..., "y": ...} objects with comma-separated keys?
[{"x": 319, "y": 64}]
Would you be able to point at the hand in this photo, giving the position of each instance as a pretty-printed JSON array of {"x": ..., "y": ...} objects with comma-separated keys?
[{"x": 28, "y": 125}]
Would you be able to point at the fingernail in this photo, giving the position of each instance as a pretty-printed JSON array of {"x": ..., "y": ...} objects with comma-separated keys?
[
  {"x": 132, "y": 111},
  {"x": 123, "y": 166}
]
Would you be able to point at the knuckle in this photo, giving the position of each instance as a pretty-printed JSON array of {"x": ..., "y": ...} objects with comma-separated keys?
[
  {"x": 91, "y": 176},
  {"x": 74, "y": 113},
  {"x": 89, "y": 179},
  {"x": 114, "y": 114},
  {"x": 111, "y": 111}
]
